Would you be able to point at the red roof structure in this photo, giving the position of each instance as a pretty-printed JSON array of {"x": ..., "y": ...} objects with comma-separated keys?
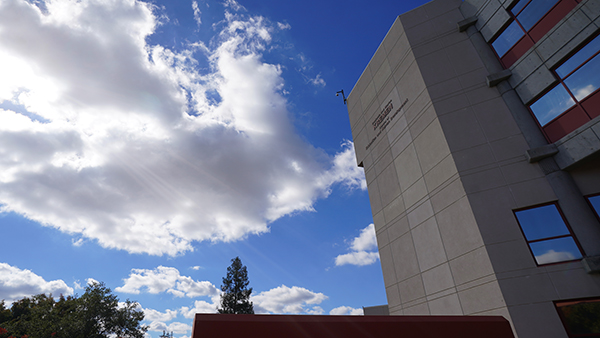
[{"x": 306, "y": 326}]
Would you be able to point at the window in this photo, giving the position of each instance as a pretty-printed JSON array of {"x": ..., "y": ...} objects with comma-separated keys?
[
  {"x": 548, "y": 235},
  {"x": 532, "y": 19},
  {"x": 575, "y": 100},
  {"x": 580, "y": 317},
  {"x": 595, "y": 203}
]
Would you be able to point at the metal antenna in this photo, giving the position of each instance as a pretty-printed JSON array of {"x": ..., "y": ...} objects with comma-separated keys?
[{"x": 343, "y": 95}]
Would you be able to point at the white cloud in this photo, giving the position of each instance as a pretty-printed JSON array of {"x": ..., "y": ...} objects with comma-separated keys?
[
  {"x": 233, "y": 5},
  {"x": 200, "y": 306},
  {"x": 318, "y": 81},
  {"x": 174, "y": 327},
  {"x": 284, "y": 299},
  {"x": 366, "y": 240},
  {"x": 361, "y": 246},
  {"x": 284, "y": 26},
  {"x": 357, "y": 258},
  {"x": 552, "y": 256},
  {"x": 166, "y": 279},
  {"x": 154, "y": 315},
  {"x": 16, "y": 284},
  {"x": 197, "y": 13},
  {"x": 346, "y": 310},
  {"x": 130, "y": 145}
]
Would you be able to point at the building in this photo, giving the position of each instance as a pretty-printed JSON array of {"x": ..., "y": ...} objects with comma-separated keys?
[{"x": 477, "y": 125}]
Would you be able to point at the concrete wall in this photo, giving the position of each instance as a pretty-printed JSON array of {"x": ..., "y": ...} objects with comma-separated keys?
[{"x": 433, "y": 256}]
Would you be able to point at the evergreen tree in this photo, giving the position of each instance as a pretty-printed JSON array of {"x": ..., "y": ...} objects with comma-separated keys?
[{"x": 235, "y": 298}]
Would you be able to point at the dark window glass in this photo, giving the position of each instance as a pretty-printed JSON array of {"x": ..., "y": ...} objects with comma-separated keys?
[
  {"x": 585, "y": 80},
  {"x": 534, "y": 11},
  {"x": 581, "y": 318},
  {"x": 548, "y": 235},
  {"x": 578, "y": 58},
  {"x": 542, "y": 222},
  {"x": 508, "y": 38},
  {"x": 595, "y": 202},
  {"x": 552, "y": 104}
]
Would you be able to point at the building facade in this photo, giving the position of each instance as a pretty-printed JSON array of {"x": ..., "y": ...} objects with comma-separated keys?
[{"x": 477, "y": 125}]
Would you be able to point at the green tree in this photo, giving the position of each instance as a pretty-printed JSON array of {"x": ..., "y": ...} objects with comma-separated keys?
[
  {"x": 96, "y": 314},
  {"x": 235, "y": 298}
]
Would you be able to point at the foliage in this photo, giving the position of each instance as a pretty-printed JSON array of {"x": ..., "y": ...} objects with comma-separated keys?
[
  {"x": 235, "y": 298},
  {"x": 96, "y": 314}
]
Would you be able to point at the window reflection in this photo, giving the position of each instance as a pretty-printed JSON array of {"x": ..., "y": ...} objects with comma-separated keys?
[
  {"x": 508, "y": 38},
  {"x": 534, "y": 11},
  {"x": 580, "y": 317},
  {"x": 548, "y": 235},
  {"x": 580, "y": 78},
  {"x": 585, "y": 80},
  {"x": 555, "y": 250},
  {"x": 579, "y": 58},
  {"x": 552, "y": 104}
]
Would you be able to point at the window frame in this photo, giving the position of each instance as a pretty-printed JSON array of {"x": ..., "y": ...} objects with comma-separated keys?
[
  {"x": 557, "y": 306},
  {"x": 558, "y": 11},
  {"x": 566, "y": 223},
  {"x": 579, "y": 113}
]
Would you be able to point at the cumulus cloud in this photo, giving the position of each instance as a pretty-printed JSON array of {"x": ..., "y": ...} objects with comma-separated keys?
[
  {"x": 107, "y": 138},
  {"x": 175, "y": 327},
  {"x": 166, "y": 279},
  {"x": 284, "y": 299},
  {"x": 200, "y": 306},
  {"x": 157, "y": 316},
  {"x": 16, "y": 284},
  {"x": 361, "y": 249},
  {"x": 346, "y": 310}
]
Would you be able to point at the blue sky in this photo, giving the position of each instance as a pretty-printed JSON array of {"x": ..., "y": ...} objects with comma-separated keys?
[{"x": 146, "y": 144}]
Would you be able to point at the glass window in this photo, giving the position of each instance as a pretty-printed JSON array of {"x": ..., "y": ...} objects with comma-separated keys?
[
  {"x": 532, "y": 19},
  {"x": 585, "y": 80},
  {"x": 552, "y": 104},
  {"x": 579, "y": 58},
  {"x": 508, "y": 38},
  {"x": 595, "y": 202},
  {"x": 519, "y": 6},
  {"x": 534, "y": 11},
  {"x": 580, "y": 317},
  {"x": 579, "y": 78},
  {"x": 548, "y": 235}
]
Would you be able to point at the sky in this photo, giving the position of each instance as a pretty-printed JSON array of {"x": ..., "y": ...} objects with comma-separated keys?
[{"x": 146, "y": 144}]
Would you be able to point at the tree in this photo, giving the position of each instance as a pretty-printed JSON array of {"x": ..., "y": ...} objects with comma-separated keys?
[
  {"x": 96, "y": 314},
  {"x": 235, "y": 298}
]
